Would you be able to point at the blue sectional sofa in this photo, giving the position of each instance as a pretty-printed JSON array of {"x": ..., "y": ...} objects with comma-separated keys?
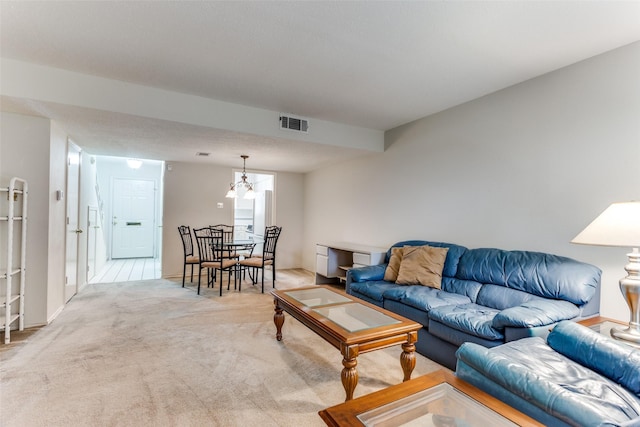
[
  {"x": 578, "y": 377},
  {"x": 487, "y": 296}
]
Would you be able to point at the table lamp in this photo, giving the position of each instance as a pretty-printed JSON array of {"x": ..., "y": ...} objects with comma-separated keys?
[{"x": 619, "y": 225}]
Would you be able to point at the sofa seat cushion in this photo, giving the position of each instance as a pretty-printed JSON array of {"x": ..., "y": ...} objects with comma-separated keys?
[
  {"x": 423, "y": 297},
  {"x": 374, "y": 289},
  {"x": 529, "y": 368},
  {"x": 470, "y": 318}
]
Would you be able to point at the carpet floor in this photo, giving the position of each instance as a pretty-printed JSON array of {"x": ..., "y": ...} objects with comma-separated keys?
[{"x": 153, "y": 353}]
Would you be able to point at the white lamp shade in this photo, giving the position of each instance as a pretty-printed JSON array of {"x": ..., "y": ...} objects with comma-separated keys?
[{"x": 618, "y": 225}]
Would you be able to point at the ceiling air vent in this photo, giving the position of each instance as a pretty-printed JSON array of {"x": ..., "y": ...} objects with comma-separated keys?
[{"x": 294, "y": 123}]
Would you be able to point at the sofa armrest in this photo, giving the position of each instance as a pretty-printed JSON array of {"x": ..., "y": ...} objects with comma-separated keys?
[
  {"x": 365, "y": 274},
  {"x": 368, "y": 273},
  {"x": 538, "y": 312},
  {"x": 614, "y": 360}
]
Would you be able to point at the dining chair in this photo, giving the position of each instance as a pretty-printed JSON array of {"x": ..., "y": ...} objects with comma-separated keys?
[
  {"x": 214, "y": 256},
  {"x": 187, "y": 245},
  {"x": 227, "y": 235},
  {"x": 267, "y": 258}
]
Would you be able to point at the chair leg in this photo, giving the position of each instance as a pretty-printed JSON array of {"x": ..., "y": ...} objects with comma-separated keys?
[
  {"x": 191, "y": 273},
  {"x": 262, "y": 279},
  {"x": 273, "y": 274},
  {"x": 184, "y": 272},
  {"x": 200, "y": 278}
]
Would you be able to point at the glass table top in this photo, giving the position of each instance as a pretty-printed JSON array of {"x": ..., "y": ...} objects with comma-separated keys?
[
  {"x": 350, "y": 315},
  {"x": 317, "y": 297},
  {"x": 439, "y": 406},
  {"x": 605, "y": 327}
]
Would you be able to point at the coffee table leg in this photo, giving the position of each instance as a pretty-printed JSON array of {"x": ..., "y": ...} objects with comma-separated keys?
[
  {"x": 408, "y": 359},
  {"x": 349, "y": 373},
  {"x": 278, "y": 319}
]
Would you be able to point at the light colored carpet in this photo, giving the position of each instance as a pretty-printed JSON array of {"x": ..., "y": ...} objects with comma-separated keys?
[{"x": 153, "y": 353}]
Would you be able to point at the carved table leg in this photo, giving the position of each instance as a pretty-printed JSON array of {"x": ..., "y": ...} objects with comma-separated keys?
[
  {"x": 408, "y": 359},
  {"x": 349, "y": 373},
  {"x": 278, "y": 319}
]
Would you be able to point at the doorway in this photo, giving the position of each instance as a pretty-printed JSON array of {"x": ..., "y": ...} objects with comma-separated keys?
[
  {"x": 251, "y": 216},
  {"x": 130, "y": 202}
]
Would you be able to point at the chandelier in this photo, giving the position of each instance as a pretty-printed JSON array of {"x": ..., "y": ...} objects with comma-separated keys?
[{"x": 243, "y": 183}]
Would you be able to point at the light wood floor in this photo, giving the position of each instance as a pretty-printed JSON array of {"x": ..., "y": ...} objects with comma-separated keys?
[{"x": 126, "y": 270}]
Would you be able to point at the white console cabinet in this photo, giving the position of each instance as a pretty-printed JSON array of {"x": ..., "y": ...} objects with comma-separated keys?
[{"x": 334, "y": 259}]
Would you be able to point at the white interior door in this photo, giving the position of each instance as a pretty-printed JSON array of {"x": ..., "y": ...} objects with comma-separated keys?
[
  {"x": 133, "y": 204},
  {"x": 73, "y": 229}
]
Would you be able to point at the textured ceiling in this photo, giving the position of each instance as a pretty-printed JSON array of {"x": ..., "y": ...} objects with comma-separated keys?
[{"x": 369, "y": 64}]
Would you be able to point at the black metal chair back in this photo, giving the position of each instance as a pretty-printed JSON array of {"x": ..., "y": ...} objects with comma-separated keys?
[
  {"x": 271, "y": 235},
  {"x": 187, "y": 242},
  {"x": 227, "y": 231},
  {"x": 187, "y": 246}
]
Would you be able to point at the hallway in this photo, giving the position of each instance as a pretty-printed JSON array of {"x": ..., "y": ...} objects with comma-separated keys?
[{"x": 125, "y": 270}]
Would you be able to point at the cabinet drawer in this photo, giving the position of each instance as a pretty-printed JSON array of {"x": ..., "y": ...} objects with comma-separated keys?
[
  {"x": 359, "y": 258},
  {"x": 322, "y": 265},
  {"x": 322, "y": 250}
]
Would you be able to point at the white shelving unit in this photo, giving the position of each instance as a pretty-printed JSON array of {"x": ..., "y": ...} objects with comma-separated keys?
[
  {"x": 333, "y": 260},
  {"x": 12, "y": 271}
]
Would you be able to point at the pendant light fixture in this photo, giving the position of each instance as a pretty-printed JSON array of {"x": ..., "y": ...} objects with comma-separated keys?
[{"x": 249, "y": 193}]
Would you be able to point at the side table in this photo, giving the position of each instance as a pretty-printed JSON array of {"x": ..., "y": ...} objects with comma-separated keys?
[{"x": 603, "y": 325}]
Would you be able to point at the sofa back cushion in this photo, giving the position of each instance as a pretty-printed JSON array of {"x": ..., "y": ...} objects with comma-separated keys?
[
  {"x": 541, "y": 274},
  {"x": 500, "y": 298},
  {"x": 453, "y": 254},
  {"x": 616, "y": 361},
  {"x": 468, "y": 288}
]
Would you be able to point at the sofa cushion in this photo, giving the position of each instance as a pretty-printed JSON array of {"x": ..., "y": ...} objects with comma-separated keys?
[
  {"x": 541, "y": 274},
  {"x": 534, "y": 313},
  {"x": 470, "y": 318},
  {"x": 600, "y": 353},
  {"x": 391, "y": 272},
  {"x": 499, "y": 297},
  {"x": 422, "y": 265},
  {"x": 453, "y": 255},
  {"x": 373, "y": 290},
  {"x": 423, "y": 297},
  {"x": 531, "y": 369},
  {"x": 467, "y": 288}
]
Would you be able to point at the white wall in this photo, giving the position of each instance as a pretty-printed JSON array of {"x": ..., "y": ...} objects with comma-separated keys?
[
  {"x": 192, "y": 192},
  {"x": 524, "y": 168},
  {"x": 30, "y": 148},
  {"x": 57, "y": 221}
]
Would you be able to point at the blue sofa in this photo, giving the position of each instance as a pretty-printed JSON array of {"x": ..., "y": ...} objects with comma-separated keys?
[
  {"x": 488, "y": 296},
  {"x": 578, "y": 377}
]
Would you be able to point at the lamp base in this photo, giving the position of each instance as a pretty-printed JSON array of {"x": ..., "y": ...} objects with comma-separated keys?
[
  {"x": 629, "y": 335},
  {"x": 630, "y": 287}
]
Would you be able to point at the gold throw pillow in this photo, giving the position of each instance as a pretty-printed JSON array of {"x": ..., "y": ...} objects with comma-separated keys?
[
  {"x": 422, "y": 265},
  {"x": 391, "y": 273}
]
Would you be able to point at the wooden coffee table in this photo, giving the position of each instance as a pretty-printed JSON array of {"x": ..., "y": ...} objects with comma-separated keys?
[
  {"x": 436, "y": 399},
  {"x": 350, "y": 324}
]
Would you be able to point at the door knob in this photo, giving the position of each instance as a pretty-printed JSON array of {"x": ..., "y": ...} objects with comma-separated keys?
[{"x": 78, "y": 231}]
